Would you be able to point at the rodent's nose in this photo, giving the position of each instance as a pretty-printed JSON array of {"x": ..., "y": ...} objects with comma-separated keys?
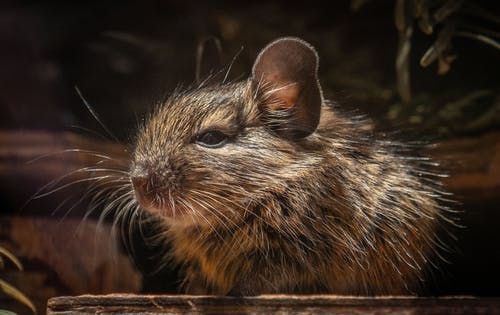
[
  {"x": 144, "y": 191},
  {"x": 147, "y": 187},
  {"x": 140, "y": 185},
  {"x": 151, "y": 182}
]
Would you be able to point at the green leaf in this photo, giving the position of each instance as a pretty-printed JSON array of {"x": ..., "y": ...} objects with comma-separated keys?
[
  {"x": 16, "y": 294},
  {"x": 5, "y": 312},
  {"x": 11, "y": 257}
]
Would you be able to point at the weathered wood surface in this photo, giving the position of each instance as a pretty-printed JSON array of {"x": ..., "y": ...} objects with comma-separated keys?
[{"x": 280, "y": 304}]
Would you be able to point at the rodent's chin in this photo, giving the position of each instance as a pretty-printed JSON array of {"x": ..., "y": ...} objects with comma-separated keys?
[
  {"x": 172, "y": 214},
  {"x": 165, "y": 210}
]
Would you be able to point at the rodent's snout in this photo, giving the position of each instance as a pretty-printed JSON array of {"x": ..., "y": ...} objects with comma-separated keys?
[
  {"x": 149, "y": 191},
  {"x": 144, "y": 189},
  {"x": 140, "y": 185},
  {"x": 148, "y": 179}
]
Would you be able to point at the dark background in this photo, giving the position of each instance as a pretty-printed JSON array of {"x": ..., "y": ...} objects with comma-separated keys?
[{"x": 124, "y": 56}]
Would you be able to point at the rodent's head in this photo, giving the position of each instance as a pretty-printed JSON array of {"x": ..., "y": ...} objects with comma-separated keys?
[{"x": 213, "y": 150}]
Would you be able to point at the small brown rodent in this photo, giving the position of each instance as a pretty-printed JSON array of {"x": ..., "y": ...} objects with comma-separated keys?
[{"x": 263, "y": 187}]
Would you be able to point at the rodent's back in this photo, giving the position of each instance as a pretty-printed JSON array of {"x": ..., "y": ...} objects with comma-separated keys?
[{"x": 264, "y": 188}]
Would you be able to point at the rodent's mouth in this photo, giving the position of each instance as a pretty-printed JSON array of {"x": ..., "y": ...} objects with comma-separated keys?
[
  {"x": 159, "y": 206},
  {"x": 168, "y": 208}
]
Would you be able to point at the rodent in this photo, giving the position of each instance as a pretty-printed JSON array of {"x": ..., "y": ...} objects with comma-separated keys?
[{"x": 264, "y": 187}]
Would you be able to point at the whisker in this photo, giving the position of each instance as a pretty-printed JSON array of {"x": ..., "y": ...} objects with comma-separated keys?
[
  {"x": 80, "y": 151},
  {"x": 83, "y": 180},
  {"x": 94, "y": 114},
  {"x": 231, "y": 64}
]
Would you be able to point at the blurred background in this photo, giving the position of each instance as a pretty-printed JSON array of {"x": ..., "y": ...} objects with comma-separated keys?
[{"x": 419, "y": 70}]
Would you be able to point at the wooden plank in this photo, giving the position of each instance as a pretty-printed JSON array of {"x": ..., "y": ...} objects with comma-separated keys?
[{"x": 282, "y": 304}]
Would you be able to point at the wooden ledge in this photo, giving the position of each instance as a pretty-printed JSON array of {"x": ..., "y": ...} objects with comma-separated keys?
[{"x": 265, "y": 304}]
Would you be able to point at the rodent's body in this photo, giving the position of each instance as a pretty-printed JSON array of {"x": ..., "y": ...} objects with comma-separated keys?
[{"x": 327, "y": 209}]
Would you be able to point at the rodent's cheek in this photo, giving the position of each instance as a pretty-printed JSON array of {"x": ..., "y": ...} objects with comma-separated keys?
[
  {"x": 198, "y": 161},
  {"x": 212, "y": 166}
]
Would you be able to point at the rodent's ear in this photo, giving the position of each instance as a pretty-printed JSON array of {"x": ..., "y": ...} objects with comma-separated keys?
[
  {"x": 286, "y": 76},
  {"x": 208, "y": 58}
]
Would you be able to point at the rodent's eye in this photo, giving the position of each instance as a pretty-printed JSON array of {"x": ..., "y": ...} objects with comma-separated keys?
[{"x": 212, "y": 139}]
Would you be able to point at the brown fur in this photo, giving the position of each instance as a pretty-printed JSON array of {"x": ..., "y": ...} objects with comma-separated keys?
[{"x": 333, "y": 212}]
